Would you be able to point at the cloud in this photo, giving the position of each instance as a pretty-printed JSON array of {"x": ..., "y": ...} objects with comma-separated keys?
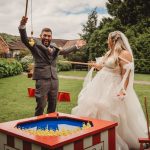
[{"x": 65, "y": 17}]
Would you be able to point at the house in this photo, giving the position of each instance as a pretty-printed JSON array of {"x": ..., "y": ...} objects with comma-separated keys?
[
  {"x": 4, "y": 48},
  {"x": 16, "y": 47},
  {"x": 69, "y": 43}
]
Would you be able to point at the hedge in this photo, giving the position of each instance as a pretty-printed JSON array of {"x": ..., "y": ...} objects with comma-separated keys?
[
  {"x": 63, "y": 66},
  {"x": 142, "y": 66},
  {"x": 26, "y": 61},
  {"x": 9, "y": 67}
]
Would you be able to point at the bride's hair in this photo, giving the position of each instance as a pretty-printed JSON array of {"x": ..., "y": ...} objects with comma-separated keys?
[{"x": 118, "y": 43}]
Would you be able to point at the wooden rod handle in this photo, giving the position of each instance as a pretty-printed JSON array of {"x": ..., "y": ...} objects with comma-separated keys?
[
  {"x": 26, "y": 10},
  {"x": 74, "y": 62},
  {"x": 147, "y": 117}
]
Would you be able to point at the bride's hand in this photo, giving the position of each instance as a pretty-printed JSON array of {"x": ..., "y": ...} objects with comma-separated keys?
[
  {"x": 93, "y": 64},
  {"x": 121, "y": 94}
]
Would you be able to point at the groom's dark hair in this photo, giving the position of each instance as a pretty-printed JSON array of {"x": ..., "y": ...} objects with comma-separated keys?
[{"x": 46, "y": 30}]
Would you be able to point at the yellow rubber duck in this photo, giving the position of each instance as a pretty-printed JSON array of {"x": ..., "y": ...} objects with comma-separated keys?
[{"x": 31, "y": 42}]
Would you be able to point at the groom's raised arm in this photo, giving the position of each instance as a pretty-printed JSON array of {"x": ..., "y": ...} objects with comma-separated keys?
[
  {"x": 23, "y": 33},
  {"x": 76, "y": 47}
]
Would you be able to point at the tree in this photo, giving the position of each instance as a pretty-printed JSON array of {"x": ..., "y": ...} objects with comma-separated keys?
[
  {"x": 88, "y": 30},
  {"x": 132, "y": 17},
  {"x": 90, "y": 26},
  {"x": 129, "y": 11},
  {"x": 98, "y": 41},
  {"x": 104, "y": 21}
]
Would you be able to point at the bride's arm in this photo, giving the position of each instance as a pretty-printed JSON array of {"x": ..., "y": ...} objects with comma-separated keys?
[
  {"x": 96, "y": 65},
  {"x": 124, "y": 58},
  {"x": 100, "y": 61}
]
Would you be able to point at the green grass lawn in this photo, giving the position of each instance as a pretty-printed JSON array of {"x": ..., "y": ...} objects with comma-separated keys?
[
  {"x": 142, "y": 77},
  {"x": 139, "y": 77},
  {"x": 15, "y": 103}
]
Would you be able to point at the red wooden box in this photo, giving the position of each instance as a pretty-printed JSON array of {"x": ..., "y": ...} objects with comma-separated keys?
[{"x": 101, "y": 136}]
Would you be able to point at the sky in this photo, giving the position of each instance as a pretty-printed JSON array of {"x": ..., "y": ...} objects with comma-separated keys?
[{"x": 64, "y": 17}]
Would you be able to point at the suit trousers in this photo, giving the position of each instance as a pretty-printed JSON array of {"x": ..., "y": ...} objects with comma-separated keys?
[{"x": 46, "y": 92}]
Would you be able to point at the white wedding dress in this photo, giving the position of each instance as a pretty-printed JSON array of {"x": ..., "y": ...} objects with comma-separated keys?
[{"x": 98, "y": 99}]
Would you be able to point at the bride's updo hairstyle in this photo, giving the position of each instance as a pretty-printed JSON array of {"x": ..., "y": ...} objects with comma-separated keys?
[{"x": 117, "y": 41}]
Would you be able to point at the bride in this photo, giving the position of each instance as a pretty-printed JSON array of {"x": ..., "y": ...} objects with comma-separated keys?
[{"x": 110, "y": 94}]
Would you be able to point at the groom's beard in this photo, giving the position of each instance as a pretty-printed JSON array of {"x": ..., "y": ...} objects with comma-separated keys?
[{"x": 46, "y": 42}]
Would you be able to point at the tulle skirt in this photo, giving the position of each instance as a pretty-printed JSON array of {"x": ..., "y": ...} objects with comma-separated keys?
[{"x": 99, "y": 100}]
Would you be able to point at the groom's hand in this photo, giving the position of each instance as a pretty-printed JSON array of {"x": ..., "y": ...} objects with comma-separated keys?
[{"x": 23, "y": 21}]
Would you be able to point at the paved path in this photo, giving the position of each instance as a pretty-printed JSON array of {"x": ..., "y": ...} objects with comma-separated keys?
[{"x": 81, "y": 78}]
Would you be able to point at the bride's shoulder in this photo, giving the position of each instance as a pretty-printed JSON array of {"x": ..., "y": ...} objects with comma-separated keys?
[{"x": 125, "y": 55}]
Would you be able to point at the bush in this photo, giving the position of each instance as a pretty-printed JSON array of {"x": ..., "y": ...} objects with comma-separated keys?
[
  {"x": 64, "y": 66},
  {"x": 25, "y": 61},
  {"x": 22, "y": 54},
  {"x": 9, "y": 67},
  {"x": 142, "y": 66}
]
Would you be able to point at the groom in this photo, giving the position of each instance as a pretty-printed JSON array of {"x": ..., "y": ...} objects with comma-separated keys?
[{"x": 45, "y": 72}]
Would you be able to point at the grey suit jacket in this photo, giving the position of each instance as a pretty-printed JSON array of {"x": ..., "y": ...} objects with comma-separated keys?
[{"x": 45, "y": 62}]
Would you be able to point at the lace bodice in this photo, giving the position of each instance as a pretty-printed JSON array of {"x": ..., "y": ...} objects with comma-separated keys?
[{"x": 112, "y": 63}]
